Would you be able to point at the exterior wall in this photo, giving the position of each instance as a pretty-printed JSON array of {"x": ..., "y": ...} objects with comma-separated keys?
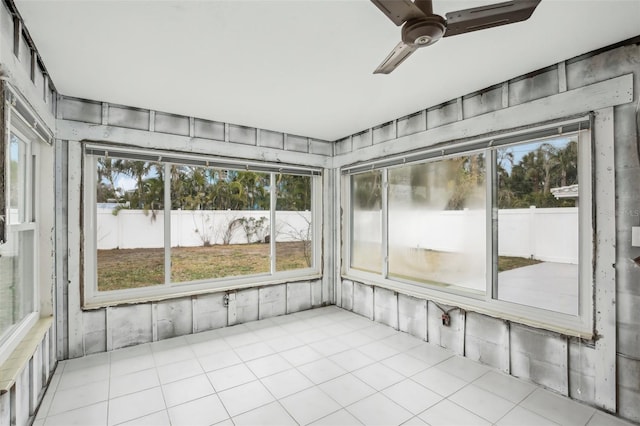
[
  {"x": 32, "y": 363},
  {"x": 604, "y": 372},
  {"x": 121, "y": 325}
]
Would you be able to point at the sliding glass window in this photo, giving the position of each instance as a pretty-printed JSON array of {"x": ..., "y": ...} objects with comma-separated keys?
[{"x": 164, "y": 222}]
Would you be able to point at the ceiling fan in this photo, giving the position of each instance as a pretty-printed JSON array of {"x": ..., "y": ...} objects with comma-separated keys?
[{"x": 421, "y": 27}]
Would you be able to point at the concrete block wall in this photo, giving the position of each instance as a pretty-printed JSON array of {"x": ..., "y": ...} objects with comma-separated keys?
[
  {"x": 19, "y": 399},
  {"x": 96, "y": 330},
  {"x": 121, "y": 326},
  {"x": 113, "y": 116},
  {"x": 564, "y": 364}
]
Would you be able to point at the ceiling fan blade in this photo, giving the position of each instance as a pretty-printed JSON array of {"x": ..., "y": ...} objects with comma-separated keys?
[
  {"x": 395, "y": 58},
  {"x": 399, "y": 11},
  {"x": 491, "y": 15}
]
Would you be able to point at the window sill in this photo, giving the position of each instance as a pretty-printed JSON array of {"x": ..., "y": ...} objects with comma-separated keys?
[
  {"x": 97, "y": 302},
  {"x": 532, "y": 317},
  {"x": 21, "y": 355}
]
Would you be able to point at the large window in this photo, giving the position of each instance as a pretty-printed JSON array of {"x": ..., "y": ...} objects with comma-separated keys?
[
  {"x": 173, "y": 223},
  {"x": 18, "y": 283},
  {"x": 502, "y": 224}
]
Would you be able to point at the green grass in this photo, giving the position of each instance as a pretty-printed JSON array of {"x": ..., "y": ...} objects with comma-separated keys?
[{"x": 133, "y": 268}]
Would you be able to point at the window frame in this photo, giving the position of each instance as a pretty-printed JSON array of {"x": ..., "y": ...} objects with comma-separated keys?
[
  {"x": 93, "y": 298},
  {"x": 581, "y": 325},
  {"x": 19, "y": 127}
]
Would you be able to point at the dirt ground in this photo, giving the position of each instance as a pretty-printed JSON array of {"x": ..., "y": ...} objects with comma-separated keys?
[{"x": 132, "y": 268}]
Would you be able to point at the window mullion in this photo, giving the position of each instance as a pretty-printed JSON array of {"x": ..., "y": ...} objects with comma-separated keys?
[
  {"x": 492, "y": 225},
  {"x": 167, "y": 223},
  {"x": 385, "y": 223},
  {"x": 272, "y": 219}
]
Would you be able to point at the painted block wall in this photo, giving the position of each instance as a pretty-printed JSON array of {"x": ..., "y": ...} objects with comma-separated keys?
[
  {"x": 567, "y": 365},
  {"x": 19, "y": 404},
  {"x": 121, "y": 325}
]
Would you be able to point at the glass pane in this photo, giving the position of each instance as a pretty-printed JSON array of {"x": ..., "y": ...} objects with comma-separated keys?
[
  {"x": 437, "y": 222},
  {"x": 129, "y": 224},
  {"x": 366, "y": 221},
  {"x": 17, "y": 180},
  {"x": 16, "y": 279},
  {"x": 538, "y": 224},
  {"x": 219, "y": 223},
  {"x": 294, "y": 248}
]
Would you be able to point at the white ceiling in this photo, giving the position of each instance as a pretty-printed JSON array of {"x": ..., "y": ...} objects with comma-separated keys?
[{"x": 298, "y": 66}]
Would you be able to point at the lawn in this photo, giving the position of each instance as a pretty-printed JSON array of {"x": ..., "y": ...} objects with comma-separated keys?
[{"x": 132, "y": 268}]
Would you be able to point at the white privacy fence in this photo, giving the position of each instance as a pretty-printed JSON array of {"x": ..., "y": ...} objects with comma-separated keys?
[
  {"x": 547, "y": 234},
  {"x": 139, "y": 229}
]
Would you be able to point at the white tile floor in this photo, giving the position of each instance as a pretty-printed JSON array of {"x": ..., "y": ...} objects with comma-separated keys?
[{"x": 323, "y": 367}]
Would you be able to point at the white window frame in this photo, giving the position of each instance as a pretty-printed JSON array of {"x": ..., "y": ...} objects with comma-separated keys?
[
  {"x": 22, "y": 130},
  {"x": 94, "y": 298},
  {"x": 581, "y": 325}
]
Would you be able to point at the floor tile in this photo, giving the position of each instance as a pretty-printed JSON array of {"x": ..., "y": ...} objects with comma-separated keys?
[
  {"x": 270, "y": 414},
  {"x": 253, "y": 351},
  {"x": 355, "y": 339},
  {"x": 179, "y": 370},
  {"x": 159, "y": 418},
  {"x": 241, "y": 338},
  {"x": 446, "y": 413},
  {"x": 284, "y": 343},
  {"x": 378, "y": 331},
  {"x": 218, "y": 360},
  {"x": 78, "y": 397},
  {"x": 339, "y": 418},
  {"x": 78, "y": 377},
  {"x": 378, "y": 376},
  {"x": 243, "y": 398},
  {"x": 364, "y": 372},
  {"x": 378, "y": 350},
  {"x": 347, "y": 389},
  {"x": 268, "y": 365},
  {"x": 415, "y": 421},
  {"x": 430, "y": 353},
  {"x": 321, "y": 370},
  {"x": 207, "y": 347},
  {"x": 286, "y": 383},
  {"x": 91, "y": 415},
  {"x": 202, "y": 336},
  {"x": 481, "y": 402},
  {"x": 351, "y": 359},
  {"x": 439, "y": 381},
  {"x": 270, "y": 332},
  {"x": 405, "y": 364},
  {"x": 134, "y": 382},
  {"x": 301, "y": 355},
  {"x": 463, "y": 368},
  {"x": 230, "y": 377},
  {"x": 309, "y": 405},
  {"x": 201, "y": 412},
  {"x": 123, "y": 366},
  {"x": 377, "y": 409},
  {"x": 329, "y": 346},
  {"x": 173, "y": 355},
  {"x": 135, "y": 405},
  {"x": 176, "y": 393},
  {"x": 507, "y": 387},
  {"x": 402, "y": 341},
  {"x": 603, "y": 419},
  {"x": 557, "y": 408},
  {"x": 90, "y": 361},
  {"x": 412, "y": 396},
  {"x": 522, "y": 417}
]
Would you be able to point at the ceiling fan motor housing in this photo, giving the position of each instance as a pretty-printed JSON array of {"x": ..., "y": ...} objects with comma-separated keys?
[{"x": 423, "y": 32}]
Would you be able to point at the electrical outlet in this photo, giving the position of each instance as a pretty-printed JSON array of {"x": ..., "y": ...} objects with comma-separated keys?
[{"x": 446, "y": 320}]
